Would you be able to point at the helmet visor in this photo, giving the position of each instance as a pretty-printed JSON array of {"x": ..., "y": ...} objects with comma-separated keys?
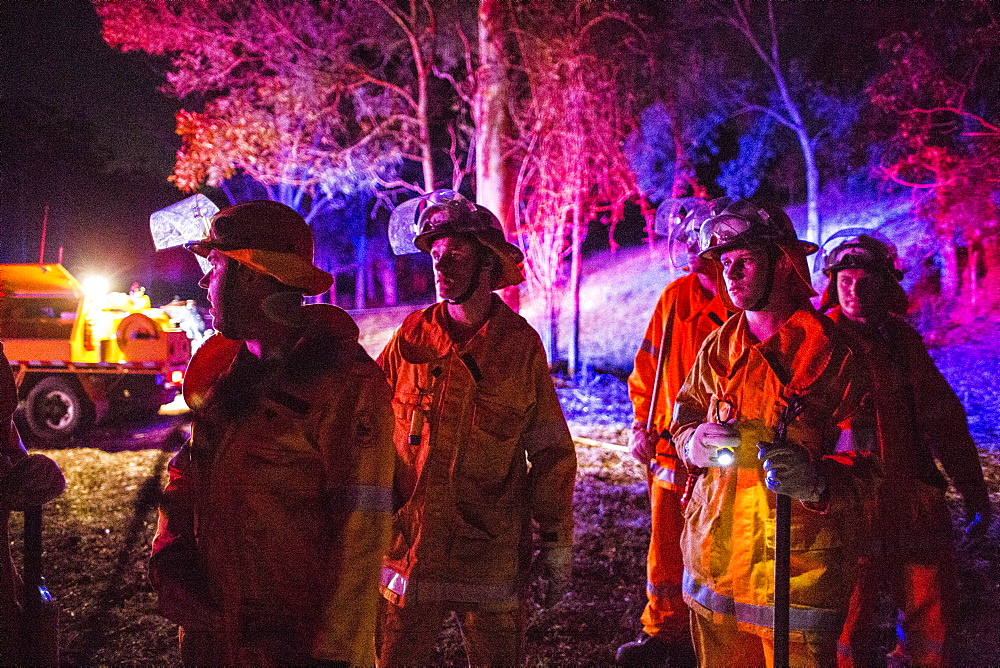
[
  {"x": 409, "y": 220},
  {"x": 680, "y": 219},
  {"x": 724, "y": 229}
]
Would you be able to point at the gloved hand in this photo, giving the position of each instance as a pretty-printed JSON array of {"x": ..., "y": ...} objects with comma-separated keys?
[
  {"x": 556, "y": 566},
  {"x": 791, "y": 471},
  {"x": 642, "y": 443},
  {"x": 702, "y": 448},
  {"x": 32, "y": 481},
  {"x": 979, "y": 521}
]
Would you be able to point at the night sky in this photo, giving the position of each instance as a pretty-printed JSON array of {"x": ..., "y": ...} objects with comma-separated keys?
[{"x": 86, "y": 131}]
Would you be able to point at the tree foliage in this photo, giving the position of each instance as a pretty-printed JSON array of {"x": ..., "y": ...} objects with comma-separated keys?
[
  {"x": 318, "y": 102},
  {"x": 939, "y": 91},
  {"x": 573, "y": 116}
]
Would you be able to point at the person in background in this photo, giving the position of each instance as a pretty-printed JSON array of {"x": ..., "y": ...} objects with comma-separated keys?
[
  {"x": 277, "y": 512},
  {"x": 688, "y": 310},
  {"x": 483, "y": 453},
  {"x": 25, "y": 480},
  {"x": 916, "y": 427},
  {"x": 776, "y": 366}
]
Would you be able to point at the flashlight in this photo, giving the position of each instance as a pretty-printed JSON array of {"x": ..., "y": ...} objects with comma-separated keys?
[{"x": 725, "y": 457}]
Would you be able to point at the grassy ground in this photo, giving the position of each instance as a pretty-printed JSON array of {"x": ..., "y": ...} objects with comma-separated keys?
[
  {"x": 97, "y": 535},
  {"x": 97, "y": 539}
]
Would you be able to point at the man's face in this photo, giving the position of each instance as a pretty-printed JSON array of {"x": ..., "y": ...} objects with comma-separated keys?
[
  {"x": 455, "y": 261},
  {"x": 234, "y": 309},
  {"x": 857, "y": 292},
  {"x": 746, "y": 275}
]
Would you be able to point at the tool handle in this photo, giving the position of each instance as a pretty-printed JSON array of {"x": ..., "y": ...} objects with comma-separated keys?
[{"x": 782, "y": 577}]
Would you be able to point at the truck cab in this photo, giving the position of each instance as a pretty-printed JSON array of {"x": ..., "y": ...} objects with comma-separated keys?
[{"x": 80, "y": 355}]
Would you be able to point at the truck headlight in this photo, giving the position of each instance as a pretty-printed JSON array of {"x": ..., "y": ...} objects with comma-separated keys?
[{"x": 96, "y": 286}]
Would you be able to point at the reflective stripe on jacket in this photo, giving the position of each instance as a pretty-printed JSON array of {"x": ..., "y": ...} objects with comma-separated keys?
[
  {"x": 729, "y": 532},
  {"x": 471, "y": 418},
  {"x": 692, "y": 313},
  {"x": 278, "y": 519}
]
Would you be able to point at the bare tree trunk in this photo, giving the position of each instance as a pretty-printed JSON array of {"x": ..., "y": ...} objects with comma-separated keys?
[
  {"x": 551, "y": 339},
  {"x": 495, "y": 176},
  {"x": 387, "y": 276},
  {"x": 814, "y": 228},
  {"x": 740, "y": 20},
  {"x": 972, "y": 276},
  {"x": 361, "y": 261},
  {"x": 991, "y": 263},
  {"x": 575, "y": 280},
  {"x": 370, "y": 279},
  {"x": 949, "y": 273}
]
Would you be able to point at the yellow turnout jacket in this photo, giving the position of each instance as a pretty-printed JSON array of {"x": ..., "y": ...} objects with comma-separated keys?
[
  {"x": 482, "y": 450},
  {"x": 728, "y": 540},
  {"x": 276, "y": 514}
]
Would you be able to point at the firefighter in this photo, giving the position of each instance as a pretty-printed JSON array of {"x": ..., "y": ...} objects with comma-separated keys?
[
  {"x": 691, "y": 309},
  {"x": 25, "y": 480},
  {"x": 277, "y": 511},
  {"x": 776, "y": 353},
  {"x": 917, "y": 424},
  {"x": 483, "y": 453}
]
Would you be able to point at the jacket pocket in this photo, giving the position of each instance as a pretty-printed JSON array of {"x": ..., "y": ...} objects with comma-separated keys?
[
  {"x": 494, "y": 449},
  {"x": 283, "y": 469},
  {"x": 486, "y": 541}
]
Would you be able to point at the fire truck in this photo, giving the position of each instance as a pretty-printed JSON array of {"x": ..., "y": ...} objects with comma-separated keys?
[{"x": 80, "y": 353}]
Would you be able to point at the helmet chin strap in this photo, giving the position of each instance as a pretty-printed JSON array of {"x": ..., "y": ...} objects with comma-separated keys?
[
  {"x": 772, "y": 263},
  {"x": 473, "y": 283}
]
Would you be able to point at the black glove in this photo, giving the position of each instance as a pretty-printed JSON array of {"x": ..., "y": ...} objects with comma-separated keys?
[{"x": 791, "y": 471}]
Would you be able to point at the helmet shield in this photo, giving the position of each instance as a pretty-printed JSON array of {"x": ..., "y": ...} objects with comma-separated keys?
[
  {"x": 679, "y": 220},
  {"x": 433, "y": 214},
  {"x": 416, "y": 223},
  {"x": 403, "y": 226},
  {"x": 182, "y": 223},
  {"x": 743, "y": 225}
]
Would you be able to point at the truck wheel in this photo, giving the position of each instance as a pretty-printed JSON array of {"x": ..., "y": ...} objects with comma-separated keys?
[{"x": 58, "y": 409}]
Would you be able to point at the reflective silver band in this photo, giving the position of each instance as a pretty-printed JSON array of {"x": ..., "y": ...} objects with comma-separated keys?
[
  {"x": 437, "y": 590},
  {"x": 364, "y": 498},
  {"x": 663, "y": 590},
  {"x": 800, "y": 619}
]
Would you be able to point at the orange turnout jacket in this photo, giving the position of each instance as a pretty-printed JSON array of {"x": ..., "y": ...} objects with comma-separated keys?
[
  {"x": 913, "y": 420},
  {"x": 729, "y": 532},
  {"x": 692, "y": 313},
  {"x": 276, "y": 519},
  {"x": 482, "y": 451},
  {"x": 916, "y": 419}
]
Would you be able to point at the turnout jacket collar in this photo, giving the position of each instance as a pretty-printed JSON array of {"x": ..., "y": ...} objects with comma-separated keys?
[
  {"x": 693, "y": 300},
  {"x": 327, "y": 329},
  {"x": 798, "y": 353},
  {"x": 424, "y": 335}
]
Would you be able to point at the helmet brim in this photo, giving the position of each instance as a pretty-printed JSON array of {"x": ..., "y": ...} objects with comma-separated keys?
[
  {"x": 715, "y": 252},
  {"x": 509, "y": 255},
  {"x": 288, "y": 268}
]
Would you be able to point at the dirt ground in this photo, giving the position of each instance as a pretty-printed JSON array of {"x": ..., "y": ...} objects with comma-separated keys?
[{"x": 97, "y": 539}]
